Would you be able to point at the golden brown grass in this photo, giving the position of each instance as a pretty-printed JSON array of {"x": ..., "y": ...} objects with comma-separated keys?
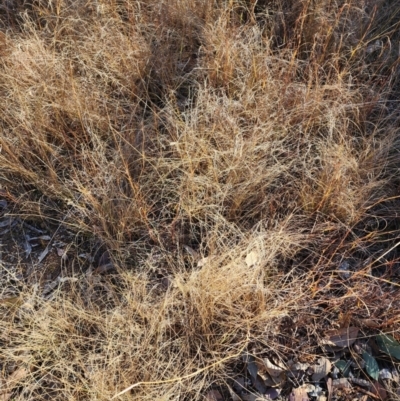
[{"x": 173, "y": 131}]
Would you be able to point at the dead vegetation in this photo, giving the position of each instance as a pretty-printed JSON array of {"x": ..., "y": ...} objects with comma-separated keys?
[{"x": 184, "y": 183}]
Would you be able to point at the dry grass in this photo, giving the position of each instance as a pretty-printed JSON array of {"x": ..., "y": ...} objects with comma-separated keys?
[{"x": 225, "y": 128}]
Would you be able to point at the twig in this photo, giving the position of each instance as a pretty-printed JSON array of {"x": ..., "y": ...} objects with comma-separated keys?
[{"x": 175, "y": 379}]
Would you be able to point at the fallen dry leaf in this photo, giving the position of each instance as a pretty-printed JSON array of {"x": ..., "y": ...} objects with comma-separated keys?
[
  {"x": 309, "y": 387},
  {"x": 341, "y": 337},
  {"x": 368, "y": 322},
  {"x": 255, "y": 397},
  {"x": 262, "y": 372},
  {"x": 272, "y": 393},
  {"x": 191, "y": 251},
  {"x": 250, "y": 397},
  {"x": 378, "y": 390},
  {"x": 3, "y": 393},
  {"x": 341, "y": 383},
  {"x": 395, "y": 375},
  {"x": 17, "y": 375},
  {"x": 239, "y": 384},
  {"x": 166, "y": 283},
  {"x": 329, "y": 386},
  {"x": 11, "y": 382},
  {"x": 259, "y": 385},
  {"x": 103, "y": 268},
  {"x": 251, "y": 365},
  {"x": 202, "y": 262},
  {"x": 5, "y": 396},
  {"x": 214, "y": 395},
  {"x": 298, "y": 394},
  {"x": 252, "y": 258},
  {"x": 273, "y": 370},
  {"x": 11, "y": 301},
  {"x": 297, "y": 370},
  {"x": 60, "y": 252},
  {"x": 233, "y": 395},
  {"x": 44, "y": 254},
  {"x": 321, "y": 369}
]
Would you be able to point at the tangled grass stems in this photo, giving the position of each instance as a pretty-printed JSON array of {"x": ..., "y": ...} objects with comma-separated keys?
[{"x": 207, "y": 167}]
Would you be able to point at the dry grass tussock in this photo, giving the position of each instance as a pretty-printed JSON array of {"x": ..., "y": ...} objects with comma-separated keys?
[{"x": 227, "y": 156}]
